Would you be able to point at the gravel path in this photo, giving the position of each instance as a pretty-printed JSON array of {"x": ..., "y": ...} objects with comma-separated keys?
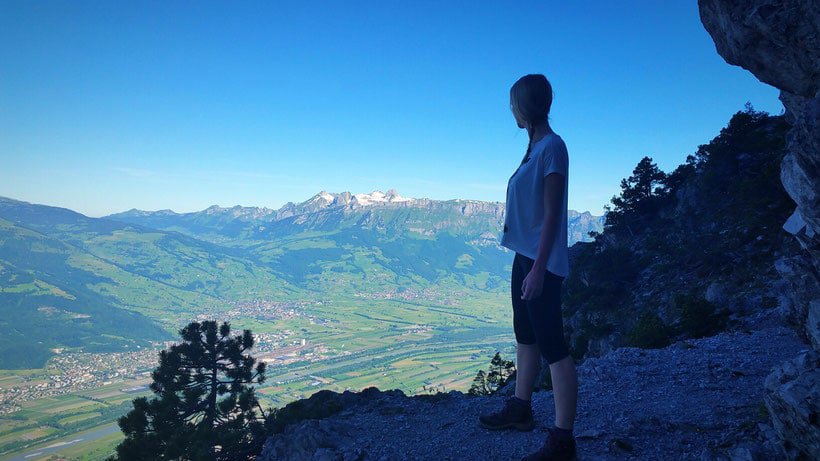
[{"x": 697, "y": 399}]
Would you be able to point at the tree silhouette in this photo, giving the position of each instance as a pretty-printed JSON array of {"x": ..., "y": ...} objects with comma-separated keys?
[
  {"x": 204, "y": 406},
  {"x": 499, "y": 373},
  {"x": 640, "y": 195}
]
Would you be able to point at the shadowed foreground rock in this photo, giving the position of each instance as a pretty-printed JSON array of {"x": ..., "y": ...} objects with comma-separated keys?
[
  {"x": 779, "y": 42},
  {"x": 789, "y": 389},
  {"x": 697, "y": 399}
]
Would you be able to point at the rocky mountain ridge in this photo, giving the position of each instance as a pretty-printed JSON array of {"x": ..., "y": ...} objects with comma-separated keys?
[
  {"x": 329, "y": 212},
  {"x": 344, "y": 200}
]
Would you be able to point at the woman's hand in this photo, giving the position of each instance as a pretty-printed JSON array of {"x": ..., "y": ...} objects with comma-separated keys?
[{"x": 533, "y": 283}]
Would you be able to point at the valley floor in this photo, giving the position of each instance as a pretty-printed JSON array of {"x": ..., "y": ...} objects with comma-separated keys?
[{"x": 337, "y": 345}]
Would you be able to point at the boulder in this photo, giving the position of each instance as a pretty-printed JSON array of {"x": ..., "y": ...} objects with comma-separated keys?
[
  {"x": 716, "y": 293},
  {"x": 308, "y": 441}
]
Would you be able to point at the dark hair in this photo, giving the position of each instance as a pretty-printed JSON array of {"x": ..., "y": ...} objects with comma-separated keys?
[{"x": 531, "y": 98}]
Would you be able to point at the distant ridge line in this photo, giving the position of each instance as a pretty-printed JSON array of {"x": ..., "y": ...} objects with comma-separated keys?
[{"x": 325, "y": 200}]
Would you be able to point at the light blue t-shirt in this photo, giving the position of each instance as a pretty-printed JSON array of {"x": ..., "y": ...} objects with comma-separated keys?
[{"x": 525, "y": 203}]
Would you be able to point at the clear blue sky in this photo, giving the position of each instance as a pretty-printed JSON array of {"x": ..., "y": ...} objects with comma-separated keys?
[{"x": 107, "y": 106}]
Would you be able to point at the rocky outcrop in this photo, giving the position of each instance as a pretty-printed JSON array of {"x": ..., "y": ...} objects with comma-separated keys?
[
  {"x": 779, "y": 42},
  {"x": 776, "y": 40},
  {"x": 697, "y": 399},
  {"x": 798, "y": 296},
  {"x": 793, "y": 401}
]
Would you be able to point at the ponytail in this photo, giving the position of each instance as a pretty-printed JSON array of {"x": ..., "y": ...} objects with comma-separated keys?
[{"x": 529, "y": 149}]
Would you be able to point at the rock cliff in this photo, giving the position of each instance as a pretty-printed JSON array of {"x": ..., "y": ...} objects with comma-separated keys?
[{"x": 779, "y": 42}]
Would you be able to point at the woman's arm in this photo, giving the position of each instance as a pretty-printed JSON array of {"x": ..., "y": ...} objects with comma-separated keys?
[{"x": 553, "y": 202}]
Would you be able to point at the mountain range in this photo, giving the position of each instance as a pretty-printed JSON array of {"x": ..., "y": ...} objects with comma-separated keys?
[
  {"x": 118, "y": 282},
  {"x": 326, "y": 209}
]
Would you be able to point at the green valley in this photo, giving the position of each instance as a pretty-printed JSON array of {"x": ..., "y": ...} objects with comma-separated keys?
[{"x": 341, "y": 291}]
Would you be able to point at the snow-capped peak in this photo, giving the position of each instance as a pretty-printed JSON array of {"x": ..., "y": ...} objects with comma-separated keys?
[
  {"x": 378, "y": 197},
  {"x": 322, "y": 199}
]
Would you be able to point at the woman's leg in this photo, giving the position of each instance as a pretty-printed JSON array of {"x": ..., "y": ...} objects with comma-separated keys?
[
  {"x": 547, "y": 324},
  {"x": 528, "y": 355},
  {"x": 528, "y": 366},
  {"x": 565, "y": 391}
]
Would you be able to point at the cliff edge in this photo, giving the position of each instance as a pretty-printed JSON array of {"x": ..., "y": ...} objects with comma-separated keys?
[
  {"x": 779, "y": 42},
  {"x": 696, "y": 399}
]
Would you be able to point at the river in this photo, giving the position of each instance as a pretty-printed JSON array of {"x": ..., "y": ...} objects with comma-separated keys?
[{"x": 55, "y": 447}]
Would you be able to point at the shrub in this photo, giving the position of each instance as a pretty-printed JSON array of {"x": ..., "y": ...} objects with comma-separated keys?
[
  {"x": 699, "y": 317},
  {"x": 649, "y": 332}
]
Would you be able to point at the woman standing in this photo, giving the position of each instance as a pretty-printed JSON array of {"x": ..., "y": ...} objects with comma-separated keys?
[{"x": 536, "y": 230}]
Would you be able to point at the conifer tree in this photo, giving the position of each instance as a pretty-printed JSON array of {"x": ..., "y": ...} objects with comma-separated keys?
[
  {"x": 487, "y": 383},
  {"x": 640, "y": 194},
  {"x": 204, "y": 406}
]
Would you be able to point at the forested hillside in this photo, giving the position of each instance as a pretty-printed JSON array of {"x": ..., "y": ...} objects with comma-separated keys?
[{"x": 689, "y": 252}]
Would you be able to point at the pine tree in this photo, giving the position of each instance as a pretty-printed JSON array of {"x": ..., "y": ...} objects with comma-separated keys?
[
  {"x": 479, "y": 386},
  {"x": 640, "y": 196},
  {"x": 204, "y": 406},
  {"x": 487, "y": 383},
  {"x": 500, "y": 371}
]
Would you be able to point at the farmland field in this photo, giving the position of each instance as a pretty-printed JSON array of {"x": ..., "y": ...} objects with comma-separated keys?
[{"x": 335, "y": 344}]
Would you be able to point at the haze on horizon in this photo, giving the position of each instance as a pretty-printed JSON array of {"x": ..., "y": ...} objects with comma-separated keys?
[{"x": 106, "y": 107}]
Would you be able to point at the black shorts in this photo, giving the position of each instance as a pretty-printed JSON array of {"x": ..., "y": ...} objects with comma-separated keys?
[{"x": 538, "y": 320}]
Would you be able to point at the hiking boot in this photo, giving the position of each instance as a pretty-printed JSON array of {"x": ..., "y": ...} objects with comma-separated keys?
[
  {"x": 555, "y": 449},
  {"x": 516, "y": 414}
]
